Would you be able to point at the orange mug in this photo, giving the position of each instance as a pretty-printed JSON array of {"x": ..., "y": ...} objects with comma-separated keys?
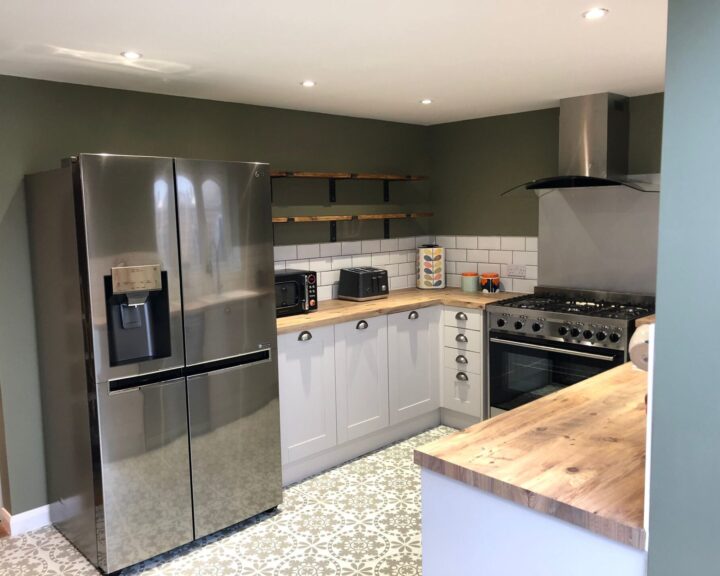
[{"x": 490, "y": 282}]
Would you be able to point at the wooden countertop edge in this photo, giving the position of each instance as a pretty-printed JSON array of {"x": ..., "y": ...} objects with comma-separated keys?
[
  {"x": 645, "y": 320},
  {"x": 633, "y": 536},
  {"x": 348, "y": 315},
  {"x": 409, "y": 299}
]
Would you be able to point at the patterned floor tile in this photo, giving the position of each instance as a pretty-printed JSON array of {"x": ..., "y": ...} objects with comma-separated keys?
[{"x": 360, "y": 519}]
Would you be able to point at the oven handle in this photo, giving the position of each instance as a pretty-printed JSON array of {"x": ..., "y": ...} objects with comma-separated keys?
[{"x": 553, "y": 349}]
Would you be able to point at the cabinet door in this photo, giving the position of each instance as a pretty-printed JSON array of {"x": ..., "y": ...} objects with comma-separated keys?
[
  {"x": 361, "y": 374},
  {"x": 463, "y": 392},
  {"x": 414, "y": 363},
  {"x": 306, "y": 367}
]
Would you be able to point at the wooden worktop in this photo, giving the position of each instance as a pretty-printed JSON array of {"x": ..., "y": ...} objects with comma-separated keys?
[
  {"x": 578, "y": 454},
  {"x": 645, "y": 320},
  {"x": 334, "y": 311}
]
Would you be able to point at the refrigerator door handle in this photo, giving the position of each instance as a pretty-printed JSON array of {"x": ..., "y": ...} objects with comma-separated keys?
[
  {"x": 225, "y": 363},
  {"x": 134, "y": 383}
]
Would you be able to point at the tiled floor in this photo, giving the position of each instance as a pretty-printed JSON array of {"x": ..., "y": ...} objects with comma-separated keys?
[{"x": 361, "y": 519}]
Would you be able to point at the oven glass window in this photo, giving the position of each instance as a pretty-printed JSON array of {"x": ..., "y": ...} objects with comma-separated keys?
[
  {"x": 287, "y": 294},
  {"x": 519, "y": 375}
]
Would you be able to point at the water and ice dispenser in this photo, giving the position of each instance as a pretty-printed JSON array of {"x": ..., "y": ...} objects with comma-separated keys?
[{"x": 138, "y": 314}]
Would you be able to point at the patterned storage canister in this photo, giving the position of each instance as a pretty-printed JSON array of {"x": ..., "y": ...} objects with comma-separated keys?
[{"x": 431, "y": 267}]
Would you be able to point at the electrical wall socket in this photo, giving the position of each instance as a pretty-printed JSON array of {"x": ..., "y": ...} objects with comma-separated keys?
[{"x": 516, "y": 271}]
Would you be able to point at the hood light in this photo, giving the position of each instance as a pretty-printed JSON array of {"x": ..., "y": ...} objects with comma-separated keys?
[
  {"x": 426, "y": 101},
  {"x": 131, "y": 55},
  {"x": 308, "y": 83}
]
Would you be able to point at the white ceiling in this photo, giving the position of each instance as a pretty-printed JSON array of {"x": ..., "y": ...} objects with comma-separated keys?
[{"x": 370, "y": 58}]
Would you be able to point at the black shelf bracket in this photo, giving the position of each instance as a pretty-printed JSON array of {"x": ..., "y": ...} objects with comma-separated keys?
[
  {"x": 332, "y": 191},
  {"x": 386, "y": 228},
  {"x": 333, "y": 231},
  {"x": 386, "y": 190}
]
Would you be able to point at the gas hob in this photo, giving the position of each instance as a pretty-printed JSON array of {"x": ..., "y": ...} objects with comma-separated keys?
[{"x": 592, "y": 318}]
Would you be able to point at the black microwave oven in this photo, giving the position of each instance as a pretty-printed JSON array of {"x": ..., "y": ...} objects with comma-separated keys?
[{"x": 295, "y": 292}]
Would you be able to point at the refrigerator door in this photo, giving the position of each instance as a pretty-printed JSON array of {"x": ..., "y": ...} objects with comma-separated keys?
[
  {"x": 226, "y": 252},
  {"x": 235, "y": 442},
  {"x": 146, "y": 506},
  {"x": 130, "y": 226}
]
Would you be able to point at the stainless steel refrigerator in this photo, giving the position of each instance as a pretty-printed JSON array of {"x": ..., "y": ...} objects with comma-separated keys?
[{"x": 155, "y": 313}]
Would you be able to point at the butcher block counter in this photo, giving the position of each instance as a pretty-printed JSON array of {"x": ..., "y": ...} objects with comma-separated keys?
[
  {"x": 645, "y": 320},
  {"x": 578, "y": 454},
  {"x": 335, "y": 311}
]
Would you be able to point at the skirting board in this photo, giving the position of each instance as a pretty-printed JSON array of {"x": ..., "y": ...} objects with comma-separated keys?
[
  {"x": 457, "y": 420},
  {"x": 296, "y": 471},
  {"x": 18, "y": 524}
]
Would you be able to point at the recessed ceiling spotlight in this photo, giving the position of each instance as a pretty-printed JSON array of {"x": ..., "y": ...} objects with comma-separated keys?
[
  {"x": 308, "y": 83},
  {"x": 426, "y": 101},
  {"x": 595, "y": 13},
  {"x": 131, "y": 55}
]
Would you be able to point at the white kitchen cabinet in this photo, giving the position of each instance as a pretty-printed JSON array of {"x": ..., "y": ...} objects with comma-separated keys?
[
  {"x": 463, "y": 392},
  {"x": 361, "y": 377},
  {"x": 306, "y": 366},
  {"x": 414, "y": 362}
]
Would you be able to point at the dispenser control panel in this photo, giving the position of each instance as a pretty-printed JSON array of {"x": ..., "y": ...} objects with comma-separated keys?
[{"x": 126, "y": 279}]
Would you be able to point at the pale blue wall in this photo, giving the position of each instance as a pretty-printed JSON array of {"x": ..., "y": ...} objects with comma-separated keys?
[{"x": 685, "y": 476}]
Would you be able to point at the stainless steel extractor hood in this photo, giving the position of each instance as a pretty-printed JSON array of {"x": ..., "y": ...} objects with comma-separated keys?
[{"x": 594, "y": 133}]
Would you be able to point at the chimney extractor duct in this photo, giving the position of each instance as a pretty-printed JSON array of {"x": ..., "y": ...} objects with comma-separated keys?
[{"x": 594, "y": 134}]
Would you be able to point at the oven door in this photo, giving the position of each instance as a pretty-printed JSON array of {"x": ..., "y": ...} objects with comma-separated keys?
[
  {"x": 524, "y": 369},
  {"x": 289, "y": 295}
]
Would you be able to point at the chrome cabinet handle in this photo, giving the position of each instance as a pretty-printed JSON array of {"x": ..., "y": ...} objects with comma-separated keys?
[
  {"x": 461, "y": 338},
  {"x": 362, "y": 325},
  {"x": 461, "y": 316},
  {"x": 304, "y": 336},
  {"x": 462, "y": 377},
  {"x": 413, "y": 315},
  {"x": 460, "y": 359}
]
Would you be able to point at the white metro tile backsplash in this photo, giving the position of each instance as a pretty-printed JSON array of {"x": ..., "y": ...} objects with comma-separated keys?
[
  {"x": 397, "y": 256},
  {"x": 491, "y": 254}
]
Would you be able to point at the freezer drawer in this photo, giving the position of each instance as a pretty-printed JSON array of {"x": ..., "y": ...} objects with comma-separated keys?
[
  {"x": 147, "y": 505},
  {"x": 235, "y": 443}
]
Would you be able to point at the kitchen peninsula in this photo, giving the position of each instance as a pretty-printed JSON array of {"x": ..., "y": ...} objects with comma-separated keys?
[{"x": 553, "y": 488}]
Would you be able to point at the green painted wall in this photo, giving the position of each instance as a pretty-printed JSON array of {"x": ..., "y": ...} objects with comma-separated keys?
[
  {"x": 685, "y": 461},
  {"x": 470, "y": 163},
  {"x": 475, "y": 160}
]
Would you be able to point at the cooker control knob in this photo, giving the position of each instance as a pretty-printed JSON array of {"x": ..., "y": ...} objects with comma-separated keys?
[
  {"x": 574, "y": 332},
  {"x": 600, "y": 336},
  {"x": 588, "y": 334},
  {"x": 615, "y": 337},
  {"x": 537, "y": 327},
  {"x": 518, "y": 325},
  {"x": 501, "y": 322},
  {"x": 563, "y": 330}
]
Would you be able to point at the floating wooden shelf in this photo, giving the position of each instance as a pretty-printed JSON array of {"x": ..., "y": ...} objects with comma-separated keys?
[
  {"x": 345, "y": 176},
  {"x": 361, "y": 217}
]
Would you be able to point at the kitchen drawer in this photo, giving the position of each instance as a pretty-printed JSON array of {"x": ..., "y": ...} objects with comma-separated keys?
[
  {"x": 462, "y": 395},
  {"x": 454, "y": 317},
  {"x": 462, "y": 339},
  {"x": 474, "y": 360}
]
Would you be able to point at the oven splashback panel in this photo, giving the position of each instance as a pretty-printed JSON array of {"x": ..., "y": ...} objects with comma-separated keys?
[{"x": 599, "y": 238}]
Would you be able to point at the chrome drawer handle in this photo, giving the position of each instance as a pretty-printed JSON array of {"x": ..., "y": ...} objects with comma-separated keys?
[
  {"x": 362, "y": 325},
  {"x": 461, "y": 316},
  {"x": 460, "y": 359},
  {"x": 413, "y": 315},
  {"x": 304, "y": 336},
  {"x": 462, "y": 376},
  {"x": 461, "y": 338}
]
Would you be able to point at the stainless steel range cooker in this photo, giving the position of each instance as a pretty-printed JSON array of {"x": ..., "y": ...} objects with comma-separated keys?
[{"x": 541, "y": 343}]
